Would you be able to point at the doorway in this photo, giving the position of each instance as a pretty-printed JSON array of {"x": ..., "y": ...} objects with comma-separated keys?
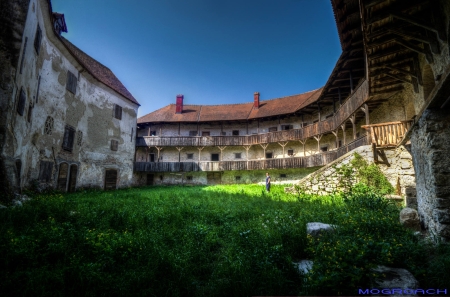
[
  {"x": 110, "y": 179},
  {"x": 150, "y": 178},
  {"x": 72, "y": 178}
]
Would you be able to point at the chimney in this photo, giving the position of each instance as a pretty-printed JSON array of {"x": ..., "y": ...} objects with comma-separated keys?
[
  {"x": 256, "y": 100},
  {"x": 179, "y": 108}
]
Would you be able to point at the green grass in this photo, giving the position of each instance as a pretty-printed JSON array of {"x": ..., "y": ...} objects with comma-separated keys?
[{"x": 204, "y": 241}]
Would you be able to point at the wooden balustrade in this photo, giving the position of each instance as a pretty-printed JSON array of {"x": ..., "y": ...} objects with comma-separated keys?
[
  {"x": 388, "y": 134},
  {"x": 321, "y": 159},
  {"x": 350, "y": 105}
]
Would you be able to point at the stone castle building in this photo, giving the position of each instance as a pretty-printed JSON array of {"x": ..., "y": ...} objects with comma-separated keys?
[
  {"x": 64, "y": 115},
  {"x": 66, "y": 120}
]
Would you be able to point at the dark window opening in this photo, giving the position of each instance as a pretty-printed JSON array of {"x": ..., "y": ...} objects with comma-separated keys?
[
  {"x": 237, "y": 155},
  {"x": 71, "y": 84},
  {"x": 235, "y": 133},
  {"x": 283, "y": 175},
  {"x": 152, "y": 133},
  {"x": 131, "y": 135},
  {"x": 238, "y": 178},
  {"x": 269, "y": 155},
  {"x": 160, "y": 177},
  {"x": 118, "y": 111},
  {"x": 324, "y": 149},
  {"x": 23, "y": 54},
  {"x": 340, "y": 143},
  {"x": 214, "y": 157},
  {"x": 114, "y": 145},
  {"x": 21, "y": 103},
  {"x": 189, "y": 177},
  {"x": 37, "y": 39},
  {"x": 206, "y": 133},
  {"x": 273, "y": 129},
  {"x": 192, "y": 133},
  {"x": 190, "y": 156},
  {"x": 152, "y": 157},
  {"x": 69, "y": 134},
  {"x": 290, "y": 152},
  {"x": 287, "y": 127}
]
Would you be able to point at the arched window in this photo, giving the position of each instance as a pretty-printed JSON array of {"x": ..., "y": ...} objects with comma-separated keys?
[{"x": 428, "y": 81}]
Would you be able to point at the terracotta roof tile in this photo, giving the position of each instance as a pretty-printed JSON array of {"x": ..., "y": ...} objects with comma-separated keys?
[
  {"x": 99, "y": 71},
  {"x": 232, "y": 112}
]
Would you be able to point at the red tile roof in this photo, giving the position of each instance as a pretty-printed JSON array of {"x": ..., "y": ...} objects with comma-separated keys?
[
  {"x": 232, "y": 112},
  {"x": 98, "y": 70}
]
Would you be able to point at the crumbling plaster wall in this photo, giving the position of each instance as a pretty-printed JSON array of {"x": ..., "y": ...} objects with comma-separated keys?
[{"x": 89, "y": 110}]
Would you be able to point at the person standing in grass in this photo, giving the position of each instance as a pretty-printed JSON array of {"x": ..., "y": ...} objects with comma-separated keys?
[{"x": 267, "y": 182}]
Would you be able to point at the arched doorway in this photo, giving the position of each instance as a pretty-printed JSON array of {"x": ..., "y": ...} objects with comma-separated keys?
[
  {"x": 72, "y": 178},
  {"x": 62, "y": 176}
]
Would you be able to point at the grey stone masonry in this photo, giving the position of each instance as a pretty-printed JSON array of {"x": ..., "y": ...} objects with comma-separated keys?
[{"x": 430, "y": 143}]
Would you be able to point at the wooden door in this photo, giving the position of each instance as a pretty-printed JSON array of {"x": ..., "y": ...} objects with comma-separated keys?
[
  {"x": 150, "y": 178},
  {"x": 62, "y": 176},
  {"x": 110, "y": 179},
  {"x": 214, "y": 178},
  {"x": 72, "y": 178}
]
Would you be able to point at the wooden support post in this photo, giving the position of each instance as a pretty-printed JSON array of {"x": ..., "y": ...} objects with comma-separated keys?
[
  {"x": 353, "y": 120},
  {"x": 179, "y": 148},
  {"x": 199, "y": 152},
  {"x": 343, "y": 132},
  {"x": 264, "y": 146},
  {"x": 221, "y": 148},
  {"x": 148, "y": 130},
  {"x": 303, "y": 143},
  {"x": 247, "y": 147},
  {"x": 318, "y": 137},
  {"x": 159, "y": 149},
  {"x": 365, "y": 109},
  {"x": 283, "y": 144},
  {"x": 336, "y": 134}
]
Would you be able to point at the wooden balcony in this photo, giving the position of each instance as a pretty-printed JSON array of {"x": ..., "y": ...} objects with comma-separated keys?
[
  {"x": 321, "y": 159},
  {"x": 351, "y": 104},
  {"x": 389, "y": 134}
]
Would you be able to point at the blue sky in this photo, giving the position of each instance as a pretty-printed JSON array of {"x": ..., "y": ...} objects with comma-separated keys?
[{"x": 211, "y": 51}]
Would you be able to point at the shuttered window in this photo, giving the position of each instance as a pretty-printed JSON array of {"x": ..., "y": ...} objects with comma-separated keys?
[
  {"x": 45, "y": 171},
  {"x": 117, "y": 111},
  {"x": 37, "y": 39},
  {"x": 71, "y": 84},
  {"x": 69, "y": 135},
  {"x": 114, "y": 145},
  {"x": 21, "y": 103}
]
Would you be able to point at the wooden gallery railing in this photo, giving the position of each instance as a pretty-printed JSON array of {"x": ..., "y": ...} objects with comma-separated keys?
[
  {"x": 321, "y": 159},
  {"x": 389, "y": 134},
  {"x": 344, "y": 112}
]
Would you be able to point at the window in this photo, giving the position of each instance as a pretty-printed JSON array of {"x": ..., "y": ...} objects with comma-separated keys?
[
  {"x": 114, "y": 145},
  {"x": 205, "y": 133},
  {"x": 283, "y": 175},
  {"x": 192, "y": 133},
  {"x": 190, "y": 156},
  {"x": 238, "y": 178},
  {"x": 71, "y": 84},
  {"x": 223, "y": 133},
  {"x": 273, "y": 129},
  {"x": 189, "y": 177},
  {"x": 287, "y": 127},
  {"x": 237, "y": 155},
  {"x": 23, "y": 54},
  {"x": 152, "y": 133},
  {"x": 30, "y": 112},
  {"x": 110, "y": 179},
  {"x": 45, "y": 171},
  {"x": 118, "y": 111},
  {"x": 21, "y": 103},
  {"x": 160, "y": 177},
  {"x": 131, "y": 135},
  {"x": 290, "y": 152},
  {"x": 69, "y": 134},
  {"x": 48, "y": 128},
  {"x": 269, "y": 155},
  {"x": 37, "y": 39},
  {"x": 235, "y": 133},
  {"x": 324, "y": 149},
  {"x": 79, "y": 137},
  {"x": 214, "y": 157}
]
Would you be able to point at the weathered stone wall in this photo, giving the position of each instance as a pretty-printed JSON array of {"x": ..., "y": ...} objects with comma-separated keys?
[
  {"x": 278, "y": 176},
  {"x": 89, "y": 111},
  {"x": 430, "y": 143},
  {"x": 398, "y": 170}
]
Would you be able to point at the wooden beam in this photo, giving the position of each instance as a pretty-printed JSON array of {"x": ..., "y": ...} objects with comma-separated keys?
[
  {"x": 416, "y": 49},
  {"x": 391, "y": 90},
  {"x": 432, "y": 42}
]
